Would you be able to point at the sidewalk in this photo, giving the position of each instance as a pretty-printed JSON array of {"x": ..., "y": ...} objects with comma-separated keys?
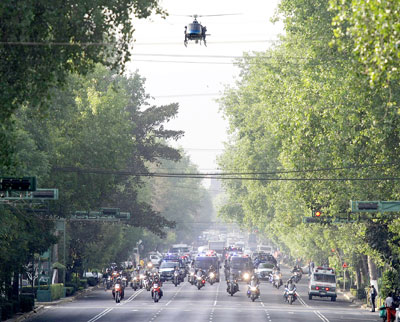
[{"x": 40, "y": 306}]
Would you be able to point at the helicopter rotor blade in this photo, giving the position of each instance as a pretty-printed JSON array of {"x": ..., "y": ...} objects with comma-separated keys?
[{"x": 222, "y": 14}]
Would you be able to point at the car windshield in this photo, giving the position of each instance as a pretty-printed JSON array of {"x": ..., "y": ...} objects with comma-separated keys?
[
  {"x": 169, "y": 264},
  {"x": 266, "y": 265},
  {"x": 240, "y": 263},
  {"x": 325, "y": 278},
  {"x": 205, "y": 262}
]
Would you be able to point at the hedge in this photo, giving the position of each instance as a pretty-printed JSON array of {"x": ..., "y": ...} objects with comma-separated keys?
[
  {"x": 27, "y": 302},
  {"x": 57, "y": 291},
  {"x": 69, "y": 290}
]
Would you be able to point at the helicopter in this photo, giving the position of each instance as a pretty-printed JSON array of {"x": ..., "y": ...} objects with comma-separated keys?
[{"x": 196, "y": 31}]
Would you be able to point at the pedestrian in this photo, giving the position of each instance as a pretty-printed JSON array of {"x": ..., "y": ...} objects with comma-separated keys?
[
  {"x": 390, "y": 307},
  {"x": 372, "y": 297}
]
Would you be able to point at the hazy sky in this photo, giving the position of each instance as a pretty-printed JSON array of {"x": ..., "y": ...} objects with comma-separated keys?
[{"x": 195, "y": 76}]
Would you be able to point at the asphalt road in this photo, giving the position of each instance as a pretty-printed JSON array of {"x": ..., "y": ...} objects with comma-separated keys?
[{"x": 210, "y": 304}]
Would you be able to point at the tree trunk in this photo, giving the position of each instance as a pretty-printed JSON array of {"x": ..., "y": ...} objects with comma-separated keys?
[
  {"x": 364, "y": 271},
  {"x": 358, "y": 274},
  {"x": 373, "y": 273}
]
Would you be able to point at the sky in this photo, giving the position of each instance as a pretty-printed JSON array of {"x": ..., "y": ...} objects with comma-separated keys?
[{"x": 196, "y": 76}]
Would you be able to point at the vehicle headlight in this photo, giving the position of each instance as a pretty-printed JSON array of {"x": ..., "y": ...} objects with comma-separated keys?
[
  {"x": 246, "y": 276},
  {"x": 142, "y": 276},
  {"x": 191, "y": 274},
  {"x": 253, "y": 288},
  {"x": 212, "y": 275}
]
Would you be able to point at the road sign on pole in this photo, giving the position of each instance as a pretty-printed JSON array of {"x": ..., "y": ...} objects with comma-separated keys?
[{"x": 375, "y": 206}]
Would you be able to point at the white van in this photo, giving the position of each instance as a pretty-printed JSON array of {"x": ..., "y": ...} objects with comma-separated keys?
[{"x": 322, "y": 283}]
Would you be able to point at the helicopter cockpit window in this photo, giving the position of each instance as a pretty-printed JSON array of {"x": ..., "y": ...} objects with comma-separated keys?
[{"x": 194, "y": 28}]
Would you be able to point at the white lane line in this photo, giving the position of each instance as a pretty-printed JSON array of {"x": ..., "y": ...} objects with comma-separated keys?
[
  {"x": 321, "y": 316},
  {"x": 302, "y": 301},
  {"x": 101, "y": 314},
  {"x": 133, "y": 296},
  {"x": 262, "y": 304}
]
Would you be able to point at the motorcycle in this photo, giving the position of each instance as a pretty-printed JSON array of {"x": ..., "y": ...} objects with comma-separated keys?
[
  {"x": 232, "y": 287},
  {"x": 277, "y": 281},
  {"x": 135, "y": 284},
  {"x": 191, "y": 278},
  {"x": 176, "y": 279},
  {"x": 146, "y": 283},
  {"x": 156, "y": 292},
  {"x": 297, "y": 277},
  {"x": 200, "y": 282},
  {"x": 118, "y": 292},
  {"x": 290, "y": 295},
  {"x": 253, "y": 292},
  {"x": 211, "y": 278},
  {"x": 108, "y": 283}
]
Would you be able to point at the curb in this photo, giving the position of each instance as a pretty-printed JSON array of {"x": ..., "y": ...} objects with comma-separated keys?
[{"x": 40, "y": 306}]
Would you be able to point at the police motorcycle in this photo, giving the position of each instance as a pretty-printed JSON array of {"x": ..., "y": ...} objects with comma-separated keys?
[
  {"x": 192, "y": 276},
  {"x": 290, "y": 294},
  {"x": 232, "y": 284},
  {"x": 135, "y": 281},
  {"x": 176, "y": 277},
  {"x": 211, "y": 276},
  {"x": 253, "y": 289},
  {"x": 297, "y": 274},
  {"x": 118, "y": 291},
  {"x": 277, "y": 279},
  {"x": 200, "y": 279}
]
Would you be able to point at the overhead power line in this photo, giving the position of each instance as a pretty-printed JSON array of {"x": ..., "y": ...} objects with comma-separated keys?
[{"x": 255, "y": 176}]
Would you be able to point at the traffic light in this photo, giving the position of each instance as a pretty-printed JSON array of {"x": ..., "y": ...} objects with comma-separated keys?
[
  {"x": 18, "y": 184},
  {"x": 316, "y": 213}
]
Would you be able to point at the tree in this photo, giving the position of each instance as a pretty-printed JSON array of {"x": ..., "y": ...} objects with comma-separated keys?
[{"x": 42, "y": 42}]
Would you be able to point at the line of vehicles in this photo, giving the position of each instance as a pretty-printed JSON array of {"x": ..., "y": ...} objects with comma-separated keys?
[{"x": 207, "y": 265}]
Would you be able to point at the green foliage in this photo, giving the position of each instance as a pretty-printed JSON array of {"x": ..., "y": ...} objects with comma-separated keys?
[
  {"x": 372, "y": 27},
  {"x": 43, "y": 42},
  {"x": 390, "y": 283},
  {"x": 27, "y": 302},
  {"x": 57, "y": 291},
  {"x": 69, "y": 291},
  {"x": 306, "y": 122}
]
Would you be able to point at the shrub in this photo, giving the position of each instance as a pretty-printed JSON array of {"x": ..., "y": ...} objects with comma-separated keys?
[
  {"x": 69, "y": 290},
  {"x": 390, "y": 282},
  {"x": 57, "y": 291},
  {"x": 92, "y": 281},
  {"x": 27, "y": 302},
  {"x": 6, "y": 310},
  {"x": 73, "y": 285},
  {"x": 83, "y": 283}
]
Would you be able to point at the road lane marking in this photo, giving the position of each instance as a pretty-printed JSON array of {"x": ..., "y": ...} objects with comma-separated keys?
[
  {"x": 101, "y": 314},
  {"x": 262, "y": 304},
  {"x": 321, "y": 316},
  {"x": 133, "y": 296}
]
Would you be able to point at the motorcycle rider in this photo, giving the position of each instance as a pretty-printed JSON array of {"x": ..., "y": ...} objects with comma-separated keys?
[
  {"x": 290, "y": 286},
  {"x": 156, "y": 280},
  {"x": 232, "y": 277},
  {"x": 119, "y": 281},
  {"x": 254, "y": 282}
]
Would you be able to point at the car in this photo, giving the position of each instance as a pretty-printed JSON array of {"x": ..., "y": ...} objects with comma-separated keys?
[
  {"x": 322, "y": 283},
  {"x": 166, "y": 270},
  {"x": 155, "y": 260},
  {"x": 264, "y": 269}
]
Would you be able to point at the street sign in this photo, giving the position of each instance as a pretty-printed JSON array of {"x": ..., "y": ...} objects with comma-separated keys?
[
  {"x": 316, "y": 220},
  {"x": 344, "y": 265},
  {"x": 17, "y": 184},
  {"x": 45, "y": 194},
  {"x": 375, "y": 206}
]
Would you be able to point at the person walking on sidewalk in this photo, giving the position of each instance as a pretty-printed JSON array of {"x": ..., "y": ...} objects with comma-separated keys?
[
  {"x": 390, "y": 311},
  {"x": 372, "y": 297}
]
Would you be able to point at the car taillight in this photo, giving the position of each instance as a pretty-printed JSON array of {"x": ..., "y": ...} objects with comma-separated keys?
[
  {"x": 317, "y": 288},
  {"x": 326, "y": 288}
]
